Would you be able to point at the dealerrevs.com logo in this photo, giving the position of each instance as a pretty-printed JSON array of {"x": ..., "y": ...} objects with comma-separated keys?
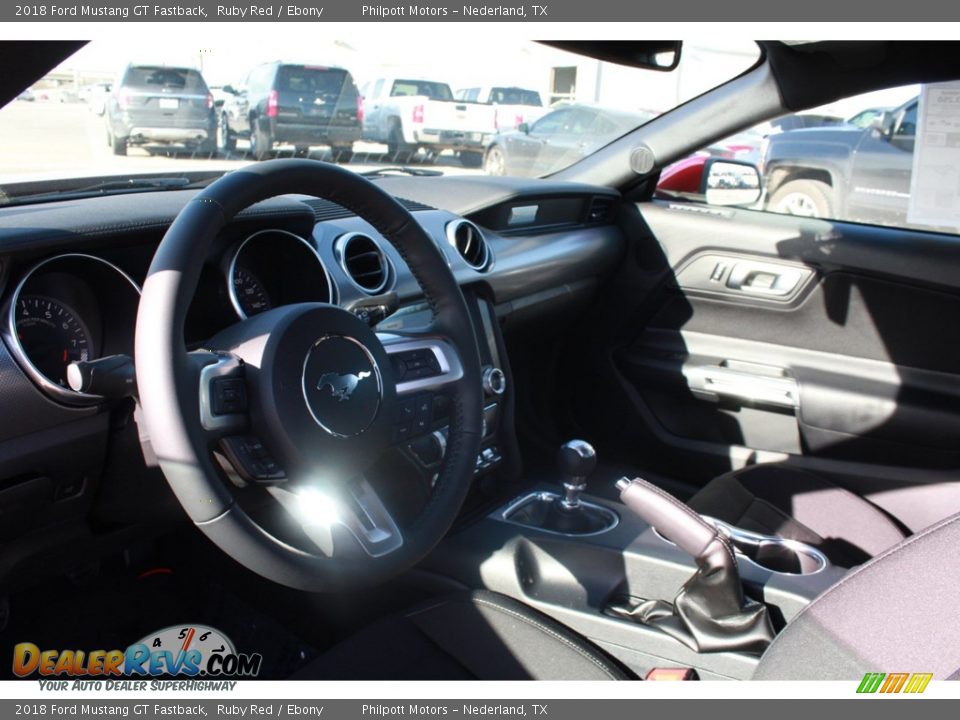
[{"x": 178, "y": 650}]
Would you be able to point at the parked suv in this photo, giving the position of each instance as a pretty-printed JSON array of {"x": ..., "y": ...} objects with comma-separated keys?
[
  {"x": 157, "y": 104},
  {"x": 299, "y": 105}
]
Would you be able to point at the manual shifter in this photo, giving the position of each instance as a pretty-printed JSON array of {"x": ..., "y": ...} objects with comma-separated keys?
[
  {"x": 710, "y": 613},
  {"x": 566, "y": 514},
  {"x": 576, "y": 460}
]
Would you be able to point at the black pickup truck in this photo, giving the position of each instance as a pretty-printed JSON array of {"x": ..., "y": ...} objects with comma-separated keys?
[{"x": 845, "y": 173}]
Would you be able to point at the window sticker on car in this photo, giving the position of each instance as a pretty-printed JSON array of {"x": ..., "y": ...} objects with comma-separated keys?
[{"x": 935, "y": 186}]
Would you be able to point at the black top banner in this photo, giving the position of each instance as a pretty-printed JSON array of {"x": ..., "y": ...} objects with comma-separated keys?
[{"x": 505, "y": 11}]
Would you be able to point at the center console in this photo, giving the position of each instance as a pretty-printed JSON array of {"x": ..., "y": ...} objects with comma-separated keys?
[
  {"x": 644, "y": 577},
  {"x": 630, "y": 586}
]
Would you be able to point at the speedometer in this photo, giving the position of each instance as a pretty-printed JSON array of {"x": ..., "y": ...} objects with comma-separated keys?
[
  {"x": 249, "y": 292},
  {"x": 52, "y": 336}
]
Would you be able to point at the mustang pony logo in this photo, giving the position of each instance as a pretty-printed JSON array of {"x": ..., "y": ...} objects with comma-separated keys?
[{"x": 341, "y": 386}]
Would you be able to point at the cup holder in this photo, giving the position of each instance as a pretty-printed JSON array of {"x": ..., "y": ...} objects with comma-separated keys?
[{"x": 776, "y": 554}]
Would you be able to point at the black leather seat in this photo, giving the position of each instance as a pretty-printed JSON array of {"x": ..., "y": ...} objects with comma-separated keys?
[
  {"x": 467, "y": 636},
  {"x": 800, "y": 505}
]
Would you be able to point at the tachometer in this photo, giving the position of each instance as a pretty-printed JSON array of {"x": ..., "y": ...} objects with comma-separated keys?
[
  {"x": 52, "y": 335},
  {"x": 249, "y": 292}
]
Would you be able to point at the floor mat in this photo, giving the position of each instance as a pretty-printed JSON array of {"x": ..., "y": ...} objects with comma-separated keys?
[{"x": 123, "y": 603}]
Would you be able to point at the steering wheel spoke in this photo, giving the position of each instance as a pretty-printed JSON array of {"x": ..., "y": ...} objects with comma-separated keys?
[
  {"x": 421, "y": 361},
  {"x": 225, "y": 421},
  {"x": 354, "y": 515},
  {"x": 223, "y": 394}
]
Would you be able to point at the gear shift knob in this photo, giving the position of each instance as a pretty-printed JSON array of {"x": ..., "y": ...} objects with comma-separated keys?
[{"x": 576, "y": 460}]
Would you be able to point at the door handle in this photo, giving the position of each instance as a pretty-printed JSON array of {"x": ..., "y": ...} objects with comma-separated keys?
[
  {"x": 776, "y": 390},
  {"x": 760, "y": 278}
]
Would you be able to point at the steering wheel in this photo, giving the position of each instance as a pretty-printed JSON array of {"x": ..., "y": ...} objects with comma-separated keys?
[{"x": 302, "y": 397}]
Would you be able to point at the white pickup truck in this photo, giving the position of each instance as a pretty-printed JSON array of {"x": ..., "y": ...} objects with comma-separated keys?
[
  {"x": 408, "y": 114},
  {"x": 512, "y": 106}
]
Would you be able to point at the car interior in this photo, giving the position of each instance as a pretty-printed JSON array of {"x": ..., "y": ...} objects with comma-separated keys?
[{"x": 421, "y": 426}]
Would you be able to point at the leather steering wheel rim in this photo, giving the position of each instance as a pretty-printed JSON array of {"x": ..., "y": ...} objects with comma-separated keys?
[{"x": 168, "y": 385}]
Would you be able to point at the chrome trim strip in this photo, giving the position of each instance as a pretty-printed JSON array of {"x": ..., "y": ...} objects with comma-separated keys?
[
  {"x": 450, "y": 368},
  {"x": 451, "y": 232},
  {"x": 752, "y": 538},
  {"x": 340, "y": 249},
  {"x": 232, "y": 268},
  {"x": 545, "y": 496}
]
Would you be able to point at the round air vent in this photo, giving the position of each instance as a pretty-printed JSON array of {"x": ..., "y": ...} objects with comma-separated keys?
[
  {"x": 470, "y": 243},
  {"x": 363, "y": 261}
]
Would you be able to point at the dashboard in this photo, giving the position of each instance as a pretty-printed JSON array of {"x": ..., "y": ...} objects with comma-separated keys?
[{"x": 70, "y": 277}]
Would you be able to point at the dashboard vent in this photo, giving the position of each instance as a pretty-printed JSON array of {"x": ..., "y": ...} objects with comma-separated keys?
[
  {"x": 363, "y": 261},
  {"x": 601, "y": 209},
  {"x": 470, "y": 243},
  {"x": 326, "y": 210}
]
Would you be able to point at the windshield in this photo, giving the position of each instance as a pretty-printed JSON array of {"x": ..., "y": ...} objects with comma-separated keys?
[{"x": 125, "y": 110}]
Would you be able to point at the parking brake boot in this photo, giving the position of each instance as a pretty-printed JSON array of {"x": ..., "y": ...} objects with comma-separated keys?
[{"x": 710, "y": 613}]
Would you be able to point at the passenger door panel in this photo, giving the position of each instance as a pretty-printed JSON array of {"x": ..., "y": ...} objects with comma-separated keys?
[{"x": 851, "y": 365}]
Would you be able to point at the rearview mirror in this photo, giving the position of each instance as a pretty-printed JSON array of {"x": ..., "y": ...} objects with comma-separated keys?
[
  {"x": 524, "y": 128},
  {"x": 663, "y": 55},
  {"x": 730, "y": 182}
]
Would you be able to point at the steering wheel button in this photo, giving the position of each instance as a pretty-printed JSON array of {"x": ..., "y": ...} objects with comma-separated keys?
[
  {"x": 228, "y": 395},
  {"x": 399, "y": 366},
  {"x": 407, "y": 409}
]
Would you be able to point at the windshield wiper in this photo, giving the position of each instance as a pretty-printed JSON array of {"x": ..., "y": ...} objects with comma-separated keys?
[
  {"x": 401, "y": 170},
  {"x": 107, "y": 187}
]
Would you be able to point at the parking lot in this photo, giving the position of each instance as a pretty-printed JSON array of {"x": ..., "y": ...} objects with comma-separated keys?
[{"x": 54, "y": 140}]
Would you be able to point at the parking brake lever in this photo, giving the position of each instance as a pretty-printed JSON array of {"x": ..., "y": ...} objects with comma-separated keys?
[
  {"x": 672, "y": 518},
  {"x": 710, "y": 613}
]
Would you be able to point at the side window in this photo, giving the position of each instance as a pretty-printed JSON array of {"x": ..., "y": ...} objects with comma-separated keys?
[
  {"x": 377, "y": 88},
  {"x": 883, "y": 158},
  {"x": 552, "y": 123},
  {"x": 582, "y": 122}
]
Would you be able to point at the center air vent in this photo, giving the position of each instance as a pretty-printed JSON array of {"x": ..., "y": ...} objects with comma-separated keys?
[
  {"x": 363, "y": 261},
  {"x": 470, "y": 243}
]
